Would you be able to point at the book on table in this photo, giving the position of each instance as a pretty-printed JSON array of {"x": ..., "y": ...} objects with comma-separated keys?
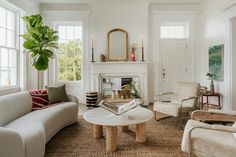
[{"x": 118, "y": 109}]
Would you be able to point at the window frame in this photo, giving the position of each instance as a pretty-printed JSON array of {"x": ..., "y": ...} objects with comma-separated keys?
[
  {"x": 184, "y": 24},
  {"x": 69, "y": 23},
  {"x": 18, "y": 13}
]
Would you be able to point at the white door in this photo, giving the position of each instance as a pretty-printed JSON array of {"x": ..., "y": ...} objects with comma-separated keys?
[{"x": 174, "y": 61}]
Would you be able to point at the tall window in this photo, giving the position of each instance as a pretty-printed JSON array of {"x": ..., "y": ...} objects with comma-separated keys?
[
  {"x": 69, "y": 64},
  {"x": 8, "y": 47},
  {"x": 173, "y": 30}
]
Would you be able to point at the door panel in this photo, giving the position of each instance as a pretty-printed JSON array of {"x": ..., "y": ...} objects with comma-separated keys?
[{"x": 174, "y": 61}]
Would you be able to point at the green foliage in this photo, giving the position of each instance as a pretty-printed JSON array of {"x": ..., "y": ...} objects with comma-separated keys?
[
  {"x": 131, "y": 89},
  {"x": 40, "y": 41},
  {"x": 211, "y": 76},
  {"x": 70, "y": 59}
]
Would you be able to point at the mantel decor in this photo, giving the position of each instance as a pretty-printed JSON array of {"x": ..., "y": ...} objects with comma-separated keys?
[
  {"x": 117, "y": 45},
  {"x": 142, "y": 52},
  {"x": 92, "y": 52}
]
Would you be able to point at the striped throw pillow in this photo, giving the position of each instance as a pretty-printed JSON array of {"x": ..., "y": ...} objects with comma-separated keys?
[{"x": 39, "y": 98}]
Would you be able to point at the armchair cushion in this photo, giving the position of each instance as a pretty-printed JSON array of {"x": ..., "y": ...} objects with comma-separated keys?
[
  {"x": 172, "y": 109},
  {"x": 184, "y": 90},
  {"x": 207, "y": 142},
  {"x": 167, "y": 108}
]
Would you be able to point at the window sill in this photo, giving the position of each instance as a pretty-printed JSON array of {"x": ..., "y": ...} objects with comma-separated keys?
[{"x": 5, "y": 91}]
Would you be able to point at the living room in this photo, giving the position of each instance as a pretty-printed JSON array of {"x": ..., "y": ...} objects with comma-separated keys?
[{"x": 63, "y": 61}]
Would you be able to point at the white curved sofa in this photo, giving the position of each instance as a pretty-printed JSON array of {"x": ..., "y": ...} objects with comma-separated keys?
[{"x": 24, "y": 133}]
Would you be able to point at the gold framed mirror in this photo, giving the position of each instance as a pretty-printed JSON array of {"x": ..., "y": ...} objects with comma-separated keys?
[{"x": 117, "y": 45}]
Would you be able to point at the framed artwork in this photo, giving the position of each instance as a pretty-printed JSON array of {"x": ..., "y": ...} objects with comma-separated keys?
[{"x": 216, "y": 62}]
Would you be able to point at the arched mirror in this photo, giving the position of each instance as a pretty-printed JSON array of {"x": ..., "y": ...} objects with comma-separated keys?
[{"x": 117, "y": 45}]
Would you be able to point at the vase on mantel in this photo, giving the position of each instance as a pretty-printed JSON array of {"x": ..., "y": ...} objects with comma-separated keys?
[{"x": 133, "y": 56}]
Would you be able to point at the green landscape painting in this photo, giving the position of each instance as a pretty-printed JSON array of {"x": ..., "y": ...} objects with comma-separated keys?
[{"x": 216, "y": 58}]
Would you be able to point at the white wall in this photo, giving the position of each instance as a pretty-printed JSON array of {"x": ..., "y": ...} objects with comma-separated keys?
[
  {"x": 216, "y": 30},
  {"x": 132, "y": 17},
  {"x": 233, "y": 28}
]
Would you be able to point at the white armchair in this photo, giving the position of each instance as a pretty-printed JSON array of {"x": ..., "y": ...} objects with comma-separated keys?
[
  {"x": 205, "y": 140},
  {"x": 183, "y": 99}
]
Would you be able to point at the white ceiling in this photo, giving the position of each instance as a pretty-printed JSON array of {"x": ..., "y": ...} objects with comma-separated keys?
[{"x": 102, "y": 1}]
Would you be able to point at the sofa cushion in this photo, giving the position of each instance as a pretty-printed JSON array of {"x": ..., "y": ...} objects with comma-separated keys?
[
  {"x": 51, "y": 119},
  {"x": 13, "y": 106},
  {"x": 57, "y": 94},
  {"x": 32, "y": 135},
  {"x": 39, "y": 98}
]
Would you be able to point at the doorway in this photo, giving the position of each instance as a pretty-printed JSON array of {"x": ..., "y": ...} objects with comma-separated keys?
[
  {"x": 173, "y": 54},
  {"x": 174, "y": 63}
]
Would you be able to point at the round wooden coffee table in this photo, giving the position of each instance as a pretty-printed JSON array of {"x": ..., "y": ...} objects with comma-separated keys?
[{"x": 103, "y": 118}]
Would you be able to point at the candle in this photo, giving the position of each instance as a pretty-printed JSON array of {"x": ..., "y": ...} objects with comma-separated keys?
[
  {"x": 142, "y": 52},
  {"x": 92, "y": 51}
]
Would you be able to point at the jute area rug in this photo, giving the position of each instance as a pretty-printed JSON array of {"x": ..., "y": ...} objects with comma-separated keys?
[{"x": 163, "y": 140}]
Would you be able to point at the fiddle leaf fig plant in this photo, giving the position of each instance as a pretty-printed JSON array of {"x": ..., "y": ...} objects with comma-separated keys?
[{"x": 40, "y": 41}]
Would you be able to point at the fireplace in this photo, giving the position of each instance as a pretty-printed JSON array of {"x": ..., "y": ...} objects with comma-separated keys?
[{"x": 113, "y": 75}]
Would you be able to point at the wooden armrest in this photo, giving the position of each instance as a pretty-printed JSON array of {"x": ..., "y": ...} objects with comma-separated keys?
[{"x": 209, "y": 116}]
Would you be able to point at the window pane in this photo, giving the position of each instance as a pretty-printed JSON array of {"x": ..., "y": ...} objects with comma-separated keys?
[
  {"x": 11, "y": 39},
  {"x": 4, "y": 58},
  {"x": 61, "y": 61},
  {"x": 4, "y": 77},
  {"x": 70, "y": 74},
  {"x": 12, "y": 58},
  {"x": 11, "y": 20},
  {"x": 12, "y": 76},
  {"x": 2, "y": 17},
  {"x": 173, "y": 31},
  {"x": 70, "y": 32},
  {"x": 62, "y": 32},
  {"x": 61, "y": 74},
  {"x": 70, "y": 53},
  {"x": 78, "y": 32},
  {"x": 78, "y": 74},
  {"x": 2, "y": 37}
]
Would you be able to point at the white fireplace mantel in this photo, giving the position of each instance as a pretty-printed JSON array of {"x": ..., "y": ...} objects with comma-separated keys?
[{"x": 126, "y": 69}]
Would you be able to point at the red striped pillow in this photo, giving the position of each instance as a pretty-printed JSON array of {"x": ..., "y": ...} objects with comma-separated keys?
[{"x": 39, "y": 98}]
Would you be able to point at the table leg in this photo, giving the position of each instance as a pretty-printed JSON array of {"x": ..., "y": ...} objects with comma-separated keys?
[
  {"x": 140, "y": 133},
  {"x": 111, "y": 138},
  {"x": 201, "y": 105},
  {"x": 207, "y": 102},
  {"x": 98, "y": 131},
  {"x": 219, "y": 101},
  {"x": 125, "y": 128}
]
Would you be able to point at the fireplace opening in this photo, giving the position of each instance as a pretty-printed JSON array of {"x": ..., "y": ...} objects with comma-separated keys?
[{"x": 125, "y": 81}]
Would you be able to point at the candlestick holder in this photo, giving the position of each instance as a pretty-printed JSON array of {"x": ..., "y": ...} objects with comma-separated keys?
[
  {"x": 143, "y": 54},
  {"x": 92, "y": 55}
]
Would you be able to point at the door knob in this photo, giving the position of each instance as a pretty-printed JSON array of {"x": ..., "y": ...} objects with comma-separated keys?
[{"x": 163, "y": 73}]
